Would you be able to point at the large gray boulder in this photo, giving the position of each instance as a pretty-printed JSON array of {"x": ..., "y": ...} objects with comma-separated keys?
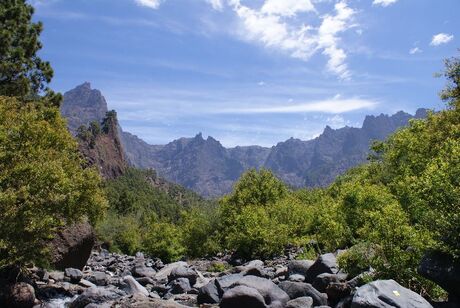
[
  {"x": 272, "y": 294},
  {"x": 183, "y": 272},
  {"x": 299, "y": 267},
  {"x": 140, "y": 270},
  {"x": 242, "y": 297},
  {"x": 135, "y": 287},
  {"x": 71, "y": 247},
  {"x": 300, "y": 302},
  {"x": 443, "y": 270},
  {"x": 95, "y": 296},
  {"x": 208, "y": 294},
  {"x": 75, "y": 275},
  {"x": 387, "y": 294},
  {"x": 301, "y": 289},
  {"x": 225, "y": 282},
  {"x": 326, "y": 263},
  {"x": 162, "y": 275}
]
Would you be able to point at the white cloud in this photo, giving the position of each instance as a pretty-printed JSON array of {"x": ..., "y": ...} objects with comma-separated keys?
[
  {"x": 384, "y": 3},
  {"x": 441, "y": 38},
  {"x": 275, "y": 24},
  {"x": 287, "y": 7},
  {"x": 153, "y": 4},
  {"x": 216, "y": 4},
  {"x": 271, "y": 26},
  {"x": 326, "y": 106},
  {"x": 415, "y": 50}
]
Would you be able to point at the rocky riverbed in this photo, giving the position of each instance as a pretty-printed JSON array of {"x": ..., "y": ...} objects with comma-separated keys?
[{"x": 114, "y": 280}]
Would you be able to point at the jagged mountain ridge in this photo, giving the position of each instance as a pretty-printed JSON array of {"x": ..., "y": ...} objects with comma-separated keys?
[{"x": 210, "y": 169}]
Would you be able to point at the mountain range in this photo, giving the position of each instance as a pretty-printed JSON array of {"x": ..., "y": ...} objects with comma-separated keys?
[{"x": 210, "y": 169}]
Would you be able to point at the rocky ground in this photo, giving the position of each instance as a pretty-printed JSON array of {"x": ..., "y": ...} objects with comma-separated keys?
[{"x": 113, "y": 280}]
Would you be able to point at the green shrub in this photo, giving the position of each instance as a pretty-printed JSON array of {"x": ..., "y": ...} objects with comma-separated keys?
[
  {"x": 163, "y": 240},
  {"x": 199, "y": 232},
  {"x": 254, "y": 234},
  {"x": 121, "y": 233}
]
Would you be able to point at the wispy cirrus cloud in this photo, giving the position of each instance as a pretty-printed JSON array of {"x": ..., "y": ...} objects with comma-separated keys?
[{"x": 333, "y": 106}]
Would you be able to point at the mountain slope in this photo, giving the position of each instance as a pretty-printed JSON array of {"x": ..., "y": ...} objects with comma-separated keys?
[{"x": 210, "y": 169}]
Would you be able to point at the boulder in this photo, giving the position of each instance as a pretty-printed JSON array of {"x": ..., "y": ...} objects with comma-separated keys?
[
  {"x": 301, "y": 289},
  {"x": 273, "y": 295},
  {"x": 162, "y": 275},
  {"x": 95, "y": 296},
  {"x": 242, "y": 297},
  {"x": 140, "y": 270},
  {"x": 71, "y": 247},
  {"x": 135, "y": 287},
  {"x": 299, "y": 267},
  {"x": 336, "y": 291},
  {"x": 183, "y": 272},
  {"x": 225, "y": 282},
  {"x": 443, "y": 270},
  {"x": 387, "y": 294},
  {"x": 179, "y": 286},
  {"x": 98, "y": 278},
  {"x": 297, "y": 278},
  {"x": 326, "y": 263},
  {"x": 21, "y": 295},
  {"x": 56, "y": 276},
  {"x": 300, "y": 302},
  {"x": 321, "y": 281},
  {"x": 208, "y": 294},
  {"x": 75, "y": 275}
]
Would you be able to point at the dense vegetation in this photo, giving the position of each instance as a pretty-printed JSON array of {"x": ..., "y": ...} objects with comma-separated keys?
[
  {"x": 42, "y": 184},
  {"x": 144, "y": 212}
]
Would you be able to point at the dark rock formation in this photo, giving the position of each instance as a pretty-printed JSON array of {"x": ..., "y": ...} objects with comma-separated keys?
[
  {"x": 82, "y": 106},
  {"x": 71, "y": 247},
  {"x": 443, "y": 270}
]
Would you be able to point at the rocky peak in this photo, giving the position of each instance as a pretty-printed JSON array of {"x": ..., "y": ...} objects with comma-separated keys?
[{"x": 83, "y": 105}]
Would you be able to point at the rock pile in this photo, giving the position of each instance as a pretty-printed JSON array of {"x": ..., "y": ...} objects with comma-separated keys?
[{"x": 114, "y": 280}]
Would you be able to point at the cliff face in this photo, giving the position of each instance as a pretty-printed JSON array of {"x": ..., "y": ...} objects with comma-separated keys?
[{"x": 97, "y": 130}]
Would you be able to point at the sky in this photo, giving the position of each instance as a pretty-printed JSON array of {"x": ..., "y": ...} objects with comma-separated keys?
[{"x": 250, "y": 72}]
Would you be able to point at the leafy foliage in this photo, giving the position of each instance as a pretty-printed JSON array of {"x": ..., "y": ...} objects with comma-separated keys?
[
  {"x": 42, "y": 183},
  {"x": 22, "y": 73}
]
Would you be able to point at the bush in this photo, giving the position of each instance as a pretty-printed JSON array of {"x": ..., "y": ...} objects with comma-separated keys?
[
  {"x": 199, "y": 232},
  {"x": 121, "y": 233},
  {"x": 163, "y": 240},
  {"x": 42, "y": 183},
  {"x": 256, "y": 234}
]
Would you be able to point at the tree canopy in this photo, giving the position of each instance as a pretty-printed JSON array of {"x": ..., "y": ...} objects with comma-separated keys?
[
  {"x": 42, "y": 183},
  {"x": 23, "y": 73}
]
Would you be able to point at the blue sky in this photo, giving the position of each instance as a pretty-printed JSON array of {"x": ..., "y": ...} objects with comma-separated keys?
[{"x": 250, "y": 71}]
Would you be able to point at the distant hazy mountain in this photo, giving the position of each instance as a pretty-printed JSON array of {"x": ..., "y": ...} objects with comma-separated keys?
[{"x": 210, "y": 169}]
